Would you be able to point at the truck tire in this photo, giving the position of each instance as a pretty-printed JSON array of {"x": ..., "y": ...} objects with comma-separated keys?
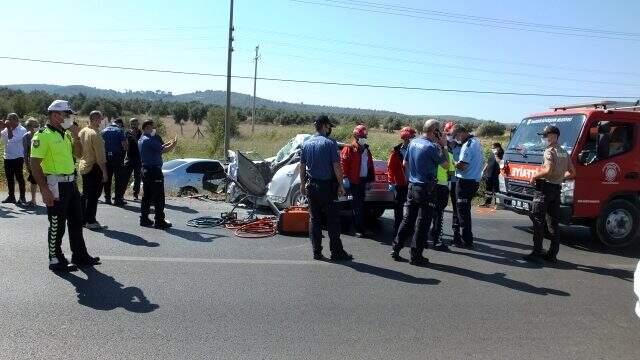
[{"x": 618, "y": 224}]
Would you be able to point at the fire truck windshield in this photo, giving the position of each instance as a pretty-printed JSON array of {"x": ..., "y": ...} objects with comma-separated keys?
[{"x": 526, "y": 138}]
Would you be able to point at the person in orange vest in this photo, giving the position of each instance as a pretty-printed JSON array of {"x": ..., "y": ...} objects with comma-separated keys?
[
  {"x": 357, "y": 166},
  {"x": 396, "y": 177}
]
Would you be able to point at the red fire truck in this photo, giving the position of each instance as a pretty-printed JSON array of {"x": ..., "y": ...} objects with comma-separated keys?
[{"x": 603, "y": 140}]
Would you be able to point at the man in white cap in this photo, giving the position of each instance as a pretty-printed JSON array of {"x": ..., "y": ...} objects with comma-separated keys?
[{"x": 52, "y": 152}]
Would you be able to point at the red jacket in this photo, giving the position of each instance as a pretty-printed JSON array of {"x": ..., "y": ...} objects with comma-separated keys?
[
  {"x": 395, "y": 170},
  {"x": 350, "y": 157}
]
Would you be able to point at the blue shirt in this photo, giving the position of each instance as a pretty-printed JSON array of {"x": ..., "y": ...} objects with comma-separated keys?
[
  {"x": 319, "y": 153},
  {"x": 113, "y": 137},
  {"x": 423, "y": 158},
  {"x": 150, "y": 150},
  {"x": 471, "y": 154},
  {"x": 455, "y": 151}
]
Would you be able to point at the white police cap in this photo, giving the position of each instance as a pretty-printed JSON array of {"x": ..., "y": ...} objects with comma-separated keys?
[{"x": 60, "y": 106}]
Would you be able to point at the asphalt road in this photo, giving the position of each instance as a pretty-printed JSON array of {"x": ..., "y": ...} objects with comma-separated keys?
[{"x": 204, "y": 294}]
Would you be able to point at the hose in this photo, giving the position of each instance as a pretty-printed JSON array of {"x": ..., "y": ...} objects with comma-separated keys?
[{"x": 260, "y": 228}]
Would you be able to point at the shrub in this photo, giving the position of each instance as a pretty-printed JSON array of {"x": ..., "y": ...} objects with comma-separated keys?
[{"x": 491, "y": 128}]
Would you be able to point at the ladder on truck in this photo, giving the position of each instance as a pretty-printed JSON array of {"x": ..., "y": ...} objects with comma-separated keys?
[{"x": 604, "y": 105}]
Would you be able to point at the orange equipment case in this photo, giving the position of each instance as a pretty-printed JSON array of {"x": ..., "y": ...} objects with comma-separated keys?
[{"x": 294, "y": 220}]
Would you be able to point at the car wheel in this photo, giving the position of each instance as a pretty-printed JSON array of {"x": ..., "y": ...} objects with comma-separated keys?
[
  {"x": 188, "y": 191},
  {"x": 297, "y": 199},
  {"x": 618, "y": 224}
]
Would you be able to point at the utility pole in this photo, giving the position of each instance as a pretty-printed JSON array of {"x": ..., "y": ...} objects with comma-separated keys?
[
  {"x": 255, "y": 80},
  {"x": 227, "y": 110}
]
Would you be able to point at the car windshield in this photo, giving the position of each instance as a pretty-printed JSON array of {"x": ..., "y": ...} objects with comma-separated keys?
[
  {"x": 291, "y": 146},
  {"x": 172, "y": 164},
  {"x": 526, "y": 137}
]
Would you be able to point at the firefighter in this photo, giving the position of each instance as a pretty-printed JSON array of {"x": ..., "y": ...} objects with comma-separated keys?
[
  {"x": 321, "y": 180},
  {"x": 357, "y": 166},
  {"x": 556, "y": 168},
  {"x": 52, "y": 164},
  {"x": 396, "y": 176},
  {"x": 454, "y": 150},
  {"x": 423, "y": 157}
]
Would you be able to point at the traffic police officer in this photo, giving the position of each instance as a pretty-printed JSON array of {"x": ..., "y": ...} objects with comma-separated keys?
[
  {"x": 151, "y": 149},
  {"x": 52, "y": 153},
  {"x": 423, "y": 157},
  {"x": 321, "y": 180},
  {"x": 557, "y": 167}
]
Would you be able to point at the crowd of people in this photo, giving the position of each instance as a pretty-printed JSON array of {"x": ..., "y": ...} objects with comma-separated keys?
[
  {"x": 424, "y": 172},
  {"x": 56, "y": 154}
]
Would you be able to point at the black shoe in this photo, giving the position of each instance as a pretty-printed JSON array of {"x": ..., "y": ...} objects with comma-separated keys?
[
  {"x": 135, "y": 197},
  {"x": 318, "y": 256},
  {"x": 341, "y": 256},
  {"x": 419, "y": 261},
  {"x": 395, "y": 255},
  {"x": 108, "y": 202},
  {"x": 9, "y": 200},
  {"x": 61, "y": 264},
  {"x": 146, "y": 222},
  {"x": 86, "y": 261},
  {"x": 534, "y": 257},
  {"x": 119, "y": 202},
  {"x": 164, "y": 224},
  {"x": 441, "y": 247},
  {"x": 468, "y": 246},
  {"x": 550, "y": 258}
]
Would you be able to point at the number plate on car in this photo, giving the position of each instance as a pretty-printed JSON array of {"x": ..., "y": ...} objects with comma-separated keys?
[
  {"x": 381, "y": 178},
  {"x": 522, "y": 205}
]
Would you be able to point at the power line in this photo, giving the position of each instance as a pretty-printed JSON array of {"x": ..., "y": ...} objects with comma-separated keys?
[
  {"x": 316, "y": 82},
  {"x": 350, "y": 6}
]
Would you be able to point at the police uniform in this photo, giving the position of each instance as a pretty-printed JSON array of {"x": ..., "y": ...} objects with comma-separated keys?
[
  {"x": 151, "y": 147},
  {"x": 546, "y": 200},
  {"x": 467, "y": 184},
  {"x": 55, "y": 147},
  {"x": 423, "y": 158}
]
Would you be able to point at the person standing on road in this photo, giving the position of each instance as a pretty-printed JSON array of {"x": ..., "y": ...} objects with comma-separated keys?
[
  {"x": 321, "y": 180},
  {"x": 398, "y": 183},
  {"x": 115, "y": 146},
  {"x": 357, "y": 166},
  {"x": 454, "y": 150},
  {"x": 443, "y": 178},
  {"x": 556, "y": 168},
  {"x": 491, "y": 173},
  {"x": 93, "y": 169},
  {"x": 11, "y": 137},
  {"x": 423, "y": 157},
  {"x": 132, "y": 163},
  {"x": 32, "y": 126},
  {"x": 151, "y": 149},
  {"x": 52, "y": 162},
  {"x": 468, "y": 172}
]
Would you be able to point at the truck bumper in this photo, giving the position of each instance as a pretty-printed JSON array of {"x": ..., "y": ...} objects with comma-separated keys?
[{"x": 523, "y": 207}]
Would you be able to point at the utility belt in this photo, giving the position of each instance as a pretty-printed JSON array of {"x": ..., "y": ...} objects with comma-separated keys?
[
  {"x": 54, "y": 180},
  {"x": 542, "y": 184}
]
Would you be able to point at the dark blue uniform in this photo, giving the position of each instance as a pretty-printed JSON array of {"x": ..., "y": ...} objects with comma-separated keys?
[
  {"x": 152, "y": 179},
  {"x": 113, "y": 137},
  {"x": 423, "y": 158},
  {"x": 319, "y": 154}
]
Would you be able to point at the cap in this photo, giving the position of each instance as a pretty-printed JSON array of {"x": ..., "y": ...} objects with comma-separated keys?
[
  {"x": 323, "y": 120},
  {"x": 407, "y": 133},
  {"x": 550, "y": 129},
  {"x": 448, "y": 127},
  {"x": 360, "y": 131},
  {"x": 118, "y": 122},
  {"x": 60, "y": 106}
]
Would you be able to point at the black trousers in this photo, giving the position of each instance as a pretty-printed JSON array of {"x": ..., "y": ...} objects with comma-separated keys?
[
  {"x": 13, "y": 171},
  {"x": 153, "y": 187},
  {"x": 358, "y": 192},
  {"x": 91, "y": 190},
  {"x": 418, "y": 211},
  {"x": 492, "y": 186},
  {"x": 455, "y": 224},
  {"x": 114, "y": 172},
  {"x": 465, "y": 191},
  {"x": 127, "y": 171},
  {"x": 400, "y": 198},
  {"x": 66, "y": 210},
  {"x": 546, "y": 212},
  {"x": 442, "y": 196},
  {"x": 322, "y": 200}
]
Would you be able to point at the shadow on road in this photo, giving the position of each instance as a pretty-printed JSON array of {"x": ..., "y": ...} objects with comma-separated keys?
[
  {"x": 101, "y": 292},
  {"x": 388, "y": 273},
  {"x": 128, "y": 238},
  {"x": 184, "y": 209},
  {"x": 7, "y": 213},
  {"x": 193, "y": 235}
]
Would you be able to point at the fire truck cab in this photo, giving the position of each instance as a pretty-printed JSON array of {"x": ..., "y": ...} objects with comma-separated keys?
[{"x": 603, "y": 140}]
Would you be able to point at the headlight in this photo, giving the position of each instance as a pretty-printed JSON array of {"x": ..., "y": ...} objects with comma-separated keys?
[
  {"x": 566, "y": 193},
  {"x": 502, "y": 183}
]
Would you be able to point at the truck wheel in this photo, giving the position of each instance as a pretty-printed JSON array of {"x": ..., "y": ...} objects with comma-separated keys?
[{"x": 617, "y": 226}]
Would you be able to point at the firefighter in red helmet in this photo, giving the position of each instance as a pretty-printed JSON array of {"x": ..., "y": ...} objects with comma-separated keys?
[{"x": 396, "y": 176}]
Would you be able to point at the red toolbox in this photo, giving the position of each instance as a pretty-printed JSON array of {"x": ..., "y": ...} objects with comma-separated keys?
[{"x": 294, "y": 221}]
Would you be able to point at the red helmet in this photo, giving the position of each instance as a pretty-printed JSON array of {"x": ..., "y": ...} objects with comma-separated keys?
[
  {"x": 407, "y": 133},
  {"x": 360, "y": 131},
  {"x": 448, "y": 127}
]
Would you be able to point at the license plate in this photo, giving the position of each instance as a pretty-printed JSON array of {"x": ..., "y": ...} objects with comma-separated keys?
[
  {"x": 381, "y": 178},
  {"x": 520, "y": 205}
]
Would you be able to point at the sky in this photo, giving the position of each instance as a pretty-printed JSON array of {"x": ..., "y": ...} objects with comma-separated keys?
[{"x": 328, "y": 40}]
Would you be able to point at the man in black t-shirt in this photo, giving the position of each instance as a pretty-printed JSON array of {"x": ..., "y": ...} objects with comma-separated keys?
[{"x": 132, "y": 163}]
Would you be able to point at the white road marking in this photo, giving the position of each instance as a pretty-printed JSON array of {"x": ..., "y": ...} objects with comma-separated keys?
[{"x": 215, "y": 261}]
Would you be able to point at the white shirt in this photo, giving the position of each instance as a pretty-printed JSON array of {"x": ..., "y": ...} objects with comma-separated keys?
[
  {"x": 13, "y": 148},
  {"x": 364, "y": 164}
]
